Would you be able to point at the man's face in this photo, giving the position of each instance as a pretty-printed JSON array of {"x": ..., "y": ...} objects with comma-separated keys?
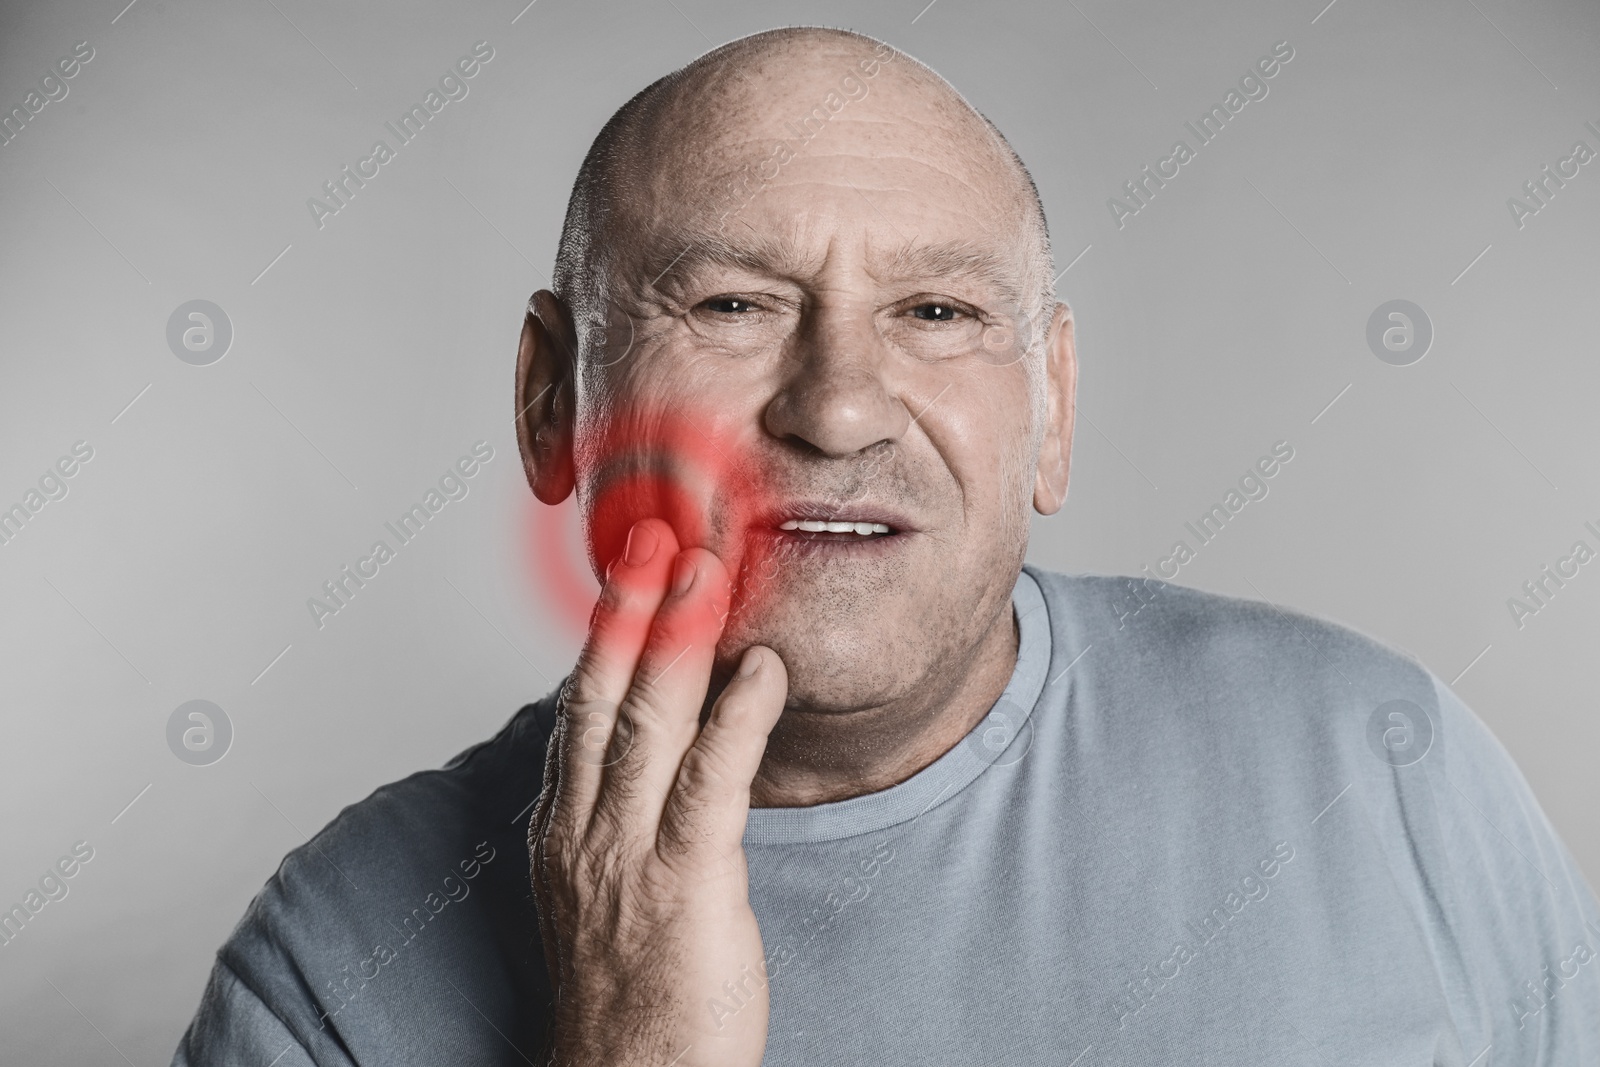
[{"x": 837, "y": 334}]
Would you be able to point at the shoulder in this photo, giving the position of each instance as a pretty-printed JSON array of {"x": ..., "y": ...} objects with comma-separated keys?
[
  {"x": 416, "y": 820},
  {"x": 433, "y": 864},
  {"x": 1172, "y": 635},
  {"x": 1255, "y": 720},
  {"x": 1194, "y": 684},
  {"x": 474, "y": 788}
]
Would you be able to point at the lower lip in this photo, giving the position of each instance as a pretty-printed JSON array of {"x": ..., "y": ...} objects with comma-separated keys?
[{"x": 833, "y": 544}]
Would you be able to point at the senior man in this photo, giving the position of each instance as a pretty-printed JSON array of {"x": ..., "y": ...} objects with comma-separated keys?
[{"x": 836, "y": 779}]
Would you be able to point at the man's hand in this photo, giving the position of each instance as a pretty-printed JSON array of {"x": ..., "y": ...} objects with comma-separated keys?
[{"x": 635, "y": 842}]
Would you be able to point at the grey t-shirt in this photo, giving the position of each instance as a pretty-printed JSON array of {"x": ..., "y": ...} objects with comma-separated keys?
[{"x": 1193, "y": 830}]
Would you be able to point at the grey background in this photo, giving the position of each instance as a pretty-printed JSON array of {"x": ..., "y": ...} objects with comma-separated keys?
[{"x": 369, "y": 355}]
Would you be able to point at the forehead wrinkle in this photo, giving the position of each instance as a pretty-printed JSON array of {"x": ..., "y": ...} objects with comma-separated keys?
[
  {"x": 959, "y": 148},
  {"x": 684, "y": 251},
  {"x": 986, "y": 188}
]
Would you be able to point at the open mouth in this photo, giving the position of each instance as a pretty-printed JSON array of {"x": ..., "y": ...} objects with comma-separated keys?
[
  {"x": 809, "y": 523},
  {"x": 841, "y": 527}
]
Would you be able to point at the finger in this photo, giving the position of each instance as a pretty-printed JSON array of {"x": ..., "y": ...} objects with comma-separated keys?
[
  {"x": 551, "y": 781},
  {"x": 547, "y": 857},
  {"x": 635, "y": 586},
  {"x": 539, "y": 848},
  {"x": 661, "y": 713},
  {"x": 544, "y": 804},
  {"x": 710, "y": 798}
]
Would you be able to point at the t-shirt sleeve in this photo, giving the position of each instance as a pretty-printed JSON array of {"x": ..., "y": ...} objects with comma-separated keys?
[
  {"x": 234, "y": 1025},
  {"x": 1516, "y": 926}
]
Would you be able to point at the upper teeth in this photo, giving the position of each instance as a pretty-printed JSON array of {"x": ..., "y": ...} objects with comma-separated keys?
[{"x": 819, "y": 526}]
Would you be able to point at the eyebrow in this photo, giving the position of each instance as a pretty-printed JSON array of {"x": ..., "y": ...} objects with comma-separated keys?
[
  {"x": 958, "y": 259},
  {"x": 688, "y": 252},
  {"x": 697, "y": 250}
]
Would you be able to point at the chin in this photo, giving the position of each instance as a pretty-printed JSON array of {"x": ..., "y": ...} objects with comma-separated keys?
[{"x": 838, "y": 666}]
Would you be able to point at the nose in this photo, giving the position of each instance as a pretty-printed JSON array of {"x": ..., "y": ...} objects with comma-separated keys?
[{"x": 836, "y": 397}]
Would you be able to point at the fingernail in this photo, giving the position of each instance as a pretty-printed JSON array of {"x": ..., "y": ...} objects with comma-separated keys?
[
  {"x": 750, "y": 663},
  {"x": 682, "y": 576},
  {"x": 642, "y": 544}
]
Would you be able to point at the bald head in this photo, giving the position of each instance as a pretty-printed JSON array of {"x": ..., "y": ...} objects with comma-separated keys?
[{"x": 703, "y": 142}]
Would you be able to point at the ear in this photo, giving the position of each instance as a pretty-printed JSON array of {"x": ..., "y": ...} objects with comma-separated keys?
[
  {"x": 1061, "y": 389},
  {"x": 546, "y": 365}
]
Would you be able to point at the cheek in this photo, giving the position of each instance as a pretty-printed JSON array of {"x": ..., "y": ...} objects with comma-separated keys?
[
  {"x": 665, "y": 451},
  {"x": 676, "y": 373},
  {"x": 986, "y": 440}
]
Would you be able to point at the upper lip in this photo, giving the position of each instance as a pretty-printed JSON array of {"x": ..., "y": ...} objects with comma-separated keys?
[{"x": 823, "y": 510}]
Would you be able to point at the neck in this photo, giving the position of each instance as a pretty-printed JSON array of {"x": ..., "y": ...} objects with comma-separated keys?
[{"x": 817, "y": 757}]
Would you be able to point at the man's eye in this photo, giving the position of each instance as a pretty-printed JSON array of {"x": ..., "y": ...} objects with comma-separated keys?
[
  {"x": 936, "y": 312},
  {"x": 728, "y": 305}
]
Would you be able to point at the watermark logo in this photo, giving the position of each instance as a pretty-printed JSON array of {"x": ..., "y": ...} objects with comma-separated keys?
[
  {"x": 1140, "y": 991},
  {"x": 199, "y": 733},
  {"x": 341, "y": 189},
  {"x": 1543, "y": 188},
  {"x": 454, "y": 484},
  {"x": 748, "y": 182},
  {"x": 353, "y": 979},
  {"x": 52, "y": 88},
  {"x": 1004, "y": 736},
  {"x": 1399, "y": 333},
  {"x": 53, "y": 485},
  {"x": 740, "y": 992},
  {"x": 199, "y": 333},
  {"x": 610, "y": 338},
  {"x": 1551, "y": 579},
  {"x": 51, "y": 887},
  {"x": 600, "y": 743},
  {"x": 1536, "y": 994},
  {"x": 1252, "y": 486},
  {"x": 1399, "y": 733},
  {"x": 1138, "y": 191}
]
